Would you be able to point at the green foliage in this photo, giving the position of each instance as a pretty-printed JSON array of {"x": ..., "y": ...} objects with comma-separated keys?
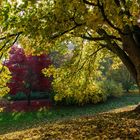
[
  {"x": 45, "y": 23},
  {"x": 81, "y": 86},
  {"x": 75, "y": 82},
  {"x": 113, "y": 70},
  {"x": 122, "y": 76},
  {"x": 4, "y": 78},
  {"x": 112, "y": 88},
  {"x": 80, "y": 79},
  {"x": 91, "y": 94}
]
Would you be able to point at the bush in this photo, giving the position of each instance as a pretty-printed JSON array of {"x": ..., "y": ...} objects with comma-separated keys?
[
  {"x": 112, "y": 88},
  {"x": 91, "y": 94}
]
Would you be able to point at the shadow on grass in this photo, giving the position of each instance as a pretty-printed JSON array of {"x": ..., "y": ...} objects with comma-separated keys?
[{"x": 14, "y": 121}]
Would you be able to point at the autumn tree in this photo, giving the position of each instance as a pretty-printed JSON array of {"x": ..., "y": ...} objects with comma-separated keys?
[
  {"x": 26, "y": 72},
  {"x": 109, "y": 24}
]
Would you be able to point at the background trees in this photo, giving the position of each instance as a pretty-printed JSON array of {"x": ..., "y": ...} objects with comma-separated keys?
[
  {"x": 92, "y": 20},
  {"x": 114, "y": 70},
  {"x": 113, "y": 31}
]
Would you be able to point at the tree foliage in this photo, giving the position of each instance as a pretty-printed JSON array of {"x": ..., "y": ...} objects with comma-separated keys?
[
  {"x": 80, "y": 80},
  {"x": 26, "y": 71},
  {"x": 4, "y": 78},
  {"x": 114, "y": 70},
  {"x": 47, "y": 24}
]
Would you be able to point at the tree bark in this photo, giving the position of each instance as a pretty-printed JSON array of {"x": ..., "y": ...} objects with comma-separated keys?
[
  {"x": 29, "y": 99},
  {"x": 129, "y": 53},
  {"x": 132, "y": 48}
]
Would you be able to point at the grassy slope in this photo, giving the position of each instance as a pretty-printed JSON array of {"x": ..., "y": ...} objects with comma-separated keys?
[{"x": 18, "y": 121}]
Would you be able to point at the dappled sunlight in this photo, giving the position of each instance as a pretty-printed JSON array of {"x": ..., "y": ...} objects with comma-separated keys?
[{"x": 2, "y": 109}]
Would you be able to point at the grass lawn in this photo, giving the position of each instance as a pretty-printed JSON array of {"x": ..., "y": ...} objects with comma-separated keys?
[{"x": 10, "y": 122}]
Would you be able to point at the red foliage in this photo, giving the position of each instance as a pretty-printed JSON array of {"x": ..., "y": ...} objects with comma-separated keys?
[{"x": 26, "y": 71}]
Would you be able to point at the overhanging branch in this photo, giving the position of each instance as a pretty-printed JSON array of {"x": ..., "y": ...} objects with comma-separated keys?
[
  {"x": 114, "y": 47},
  {"x": 66, "y": 31},
  {"x": 97, "y": 51},
  {"x": 17, "y": 35},
  {"x": 100, "y": 38},
  {"x": 89, "y": 3},
  {"x": 11, "y": 35},
  {"x": 101, "y": 7},
  {"x": 84, "y": 62}
]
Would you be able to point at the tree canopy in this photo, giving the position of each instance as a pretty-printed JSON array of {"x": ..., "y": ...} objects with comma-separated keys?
[{"x": 44, "y": 25}]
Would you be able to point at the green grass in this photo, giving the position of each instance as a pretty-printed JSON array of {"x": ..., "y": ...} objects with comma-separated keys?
[{"x": 10, "y": 122}]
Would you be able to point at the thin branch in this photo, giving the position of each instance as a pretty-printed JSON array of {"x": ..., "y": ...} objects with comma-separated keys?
[
  {"x": 2, "y": 69},
  {"x": 66, "y": 31},
  {"x": 2, "y": 38},
  {"x": 101, "y": 7},
  {"x": 18, "y": 34},
  {"x": 97, "y": 51},
  {"x": 4, "y": 45},
  {"x": 90, "y": 3},
  {"x": 89, "y": 57},
  {"x": 7, "y": 49},
  {"x": 99, "y": 38}
]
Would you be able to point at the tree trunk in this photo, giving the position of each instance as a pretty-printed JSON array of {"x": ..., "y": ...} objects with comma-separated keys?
[
  {"x": 129, "y": 54},
  {"x": 132, "y": 49},
  {"x": 29, "y": 99}
]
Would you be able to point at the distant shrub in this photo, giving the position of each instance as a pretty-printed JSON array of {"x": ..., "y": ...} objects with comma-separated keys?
[
  {"x": 111, "y": 88},
  {"x": 93, "y": 93}
]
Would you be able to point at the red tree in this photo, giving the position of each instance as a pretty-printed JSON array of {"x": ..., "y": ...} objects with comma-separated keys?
[{"x": 26, "y": 72}]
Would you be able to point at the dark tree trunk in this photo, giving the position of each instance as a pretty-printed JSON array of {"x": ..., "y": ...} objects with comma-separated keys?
[
  {"x": 129, "y": 54},
  {"x": 29, "y": 99},
  {"x": 132, "y": 49},
  {"x": 137, "y": 109}
]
